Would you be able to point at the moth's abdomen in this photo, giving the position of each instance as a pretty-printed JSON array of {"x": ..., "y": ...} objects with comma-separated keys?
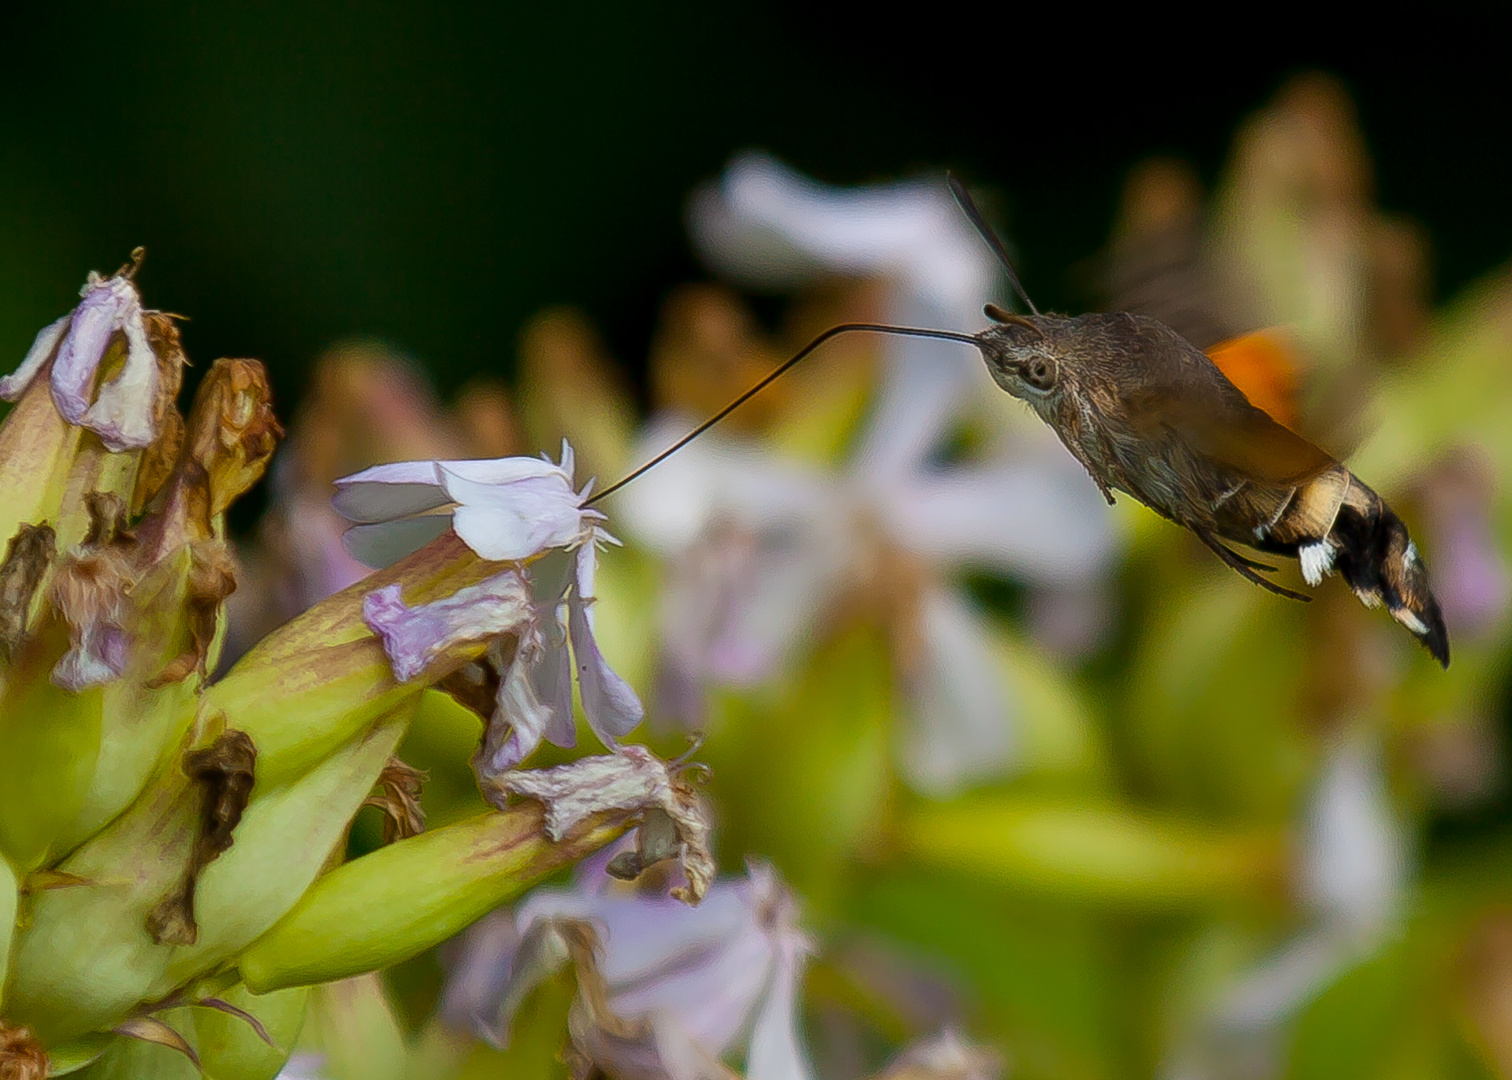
[
  {"x": 1382, "y": 565},
  {"x": 1330, "y": 522}
]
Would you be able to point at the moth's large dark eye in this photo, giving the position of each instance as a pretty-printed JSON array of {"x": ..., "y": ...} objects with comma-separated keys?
[{"x": 1040, "y": 373}]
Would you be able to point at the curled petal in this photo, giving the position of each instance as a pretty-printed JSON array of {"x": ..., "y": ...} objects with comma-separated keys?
[
  {"x": 611, "y": 706},
  {"x": 520, "y": 720},
  {"x": 123, "y": 414},
  {"x": 41, "y": 351},
  {"x": 415, "y": 637}
]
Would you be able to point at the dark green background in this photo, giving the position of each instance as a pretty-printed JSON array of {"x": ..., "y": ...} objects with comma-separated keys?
[{"x": 434, "y": 175}]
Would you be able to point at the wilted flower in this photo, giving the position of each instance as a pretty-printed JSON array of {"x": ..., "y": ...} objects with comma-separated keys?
[
  {"x": 669, "y": 990},
  {"x": 516, "y": 510},
  {"x": 123, "y": 413}
]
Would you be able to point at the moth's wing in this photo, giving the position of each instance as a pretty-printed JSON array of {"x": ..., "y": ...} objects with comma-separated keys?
[{"x": 1229, "y": 431}]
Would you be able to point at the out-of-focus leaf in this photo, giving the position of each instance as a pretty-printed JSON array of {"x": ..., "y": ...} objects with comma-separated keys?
[
  {"x": 1214, "y": 694},
  {"x": 1102, "y": 855},
  {"x": 802, "y": 775},
  {"x": 1041, "y": 977},
  {"x": 353, "y": 1027},
  {"x": 1053, "y": 722}
]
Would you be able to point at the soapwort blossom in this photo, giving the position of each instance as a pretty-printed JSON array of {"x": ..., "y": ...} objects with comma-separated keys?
[
  {"x": 515, "y": 511},
  {"x": 665, "y": 990},
  {"x": 124, "y": 411}
]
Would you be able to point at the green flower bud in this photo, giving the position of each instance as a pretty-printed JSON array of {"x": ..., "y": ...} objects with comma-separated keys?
[
  {"x": 402, "y": 899},
  {"x": 323, "y": 677},
  {"x": 89, "y": 956}
]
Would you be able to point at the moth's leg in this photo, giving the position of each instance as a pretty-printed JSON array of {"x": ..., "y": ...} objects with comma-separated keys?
[{"x": 1244, "y": 567}]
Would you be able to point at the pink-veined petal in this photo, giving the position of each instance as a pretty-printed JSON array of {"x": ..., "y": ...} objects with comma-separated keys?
[{"x": 12, "y": 385}]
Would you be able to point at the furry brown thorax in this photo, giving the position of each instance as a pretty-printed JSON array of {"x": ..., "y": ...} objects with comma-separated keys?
[{"x": 1147, "y": 413}]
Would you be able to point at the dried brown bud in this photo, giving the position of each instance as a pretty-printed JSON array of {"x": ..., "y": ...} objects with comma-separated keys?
[
  {"x": 21, "y": 1056},
  {"x": 27, "y": 557},
  {"x": 232, "y": 431},
  {"x": 400, "y": 800},
  {"x": 225, "y": 773}
]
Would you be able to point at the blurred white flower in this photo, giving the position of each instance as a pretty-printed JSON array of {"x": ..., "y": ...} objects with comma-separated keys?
[
  {"x": 1352, "y": 876},
  {"x": 762, "y": 547},
  {"x": 507, "y": 510},
  {"x": 685, "y": 986}
]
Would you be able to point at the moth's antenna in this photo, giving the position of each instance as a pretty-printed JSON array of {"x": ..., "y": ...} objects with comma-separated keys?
[
  {"x": 834, "y": 331},
  {"x": 969, "y": 208}
]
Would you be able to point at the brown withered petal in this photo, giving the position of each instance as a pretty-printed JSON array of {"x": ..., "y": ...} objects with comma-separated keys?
[
  {"x": 633, "y": 779},
  {"x": 157, "y": 461},
  {"x": 27, "y": 557},
  {"x": 89, "y": 594},
  {"x": 21, "y": 1056},
  {"x": 108, "y": 520},
  {"x": 232, "y": 431},
  {"x": 156, "y": 464},
  {"x": 400, "y": 800},
  {"x": 212, "y": 578},
  {"x": 225, "y": 770}
]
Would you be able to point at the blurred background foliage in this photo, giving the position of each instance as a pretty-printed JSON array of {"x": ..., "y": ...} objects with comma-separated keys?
[{"x": 1140, "y": 893}]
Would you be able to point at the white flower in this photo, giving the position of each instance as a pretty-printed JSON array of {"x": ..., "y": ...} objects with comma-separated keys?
[
  {"x": 123, "y": 413},
  {"x": 521, "y": 510},
  {"x": 1352, "y": 876},
  {"x": 697, "y": 982}
]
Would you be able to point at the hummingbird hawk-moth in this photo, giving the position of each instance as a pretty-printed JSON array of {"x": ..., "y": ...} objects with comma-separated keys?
[{"x": 1148, "y": 413}]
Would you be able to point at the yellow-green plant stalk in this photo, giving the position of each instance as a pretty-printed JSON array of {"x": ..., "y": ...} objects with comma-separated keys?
[{"x": 402, "y": 899}]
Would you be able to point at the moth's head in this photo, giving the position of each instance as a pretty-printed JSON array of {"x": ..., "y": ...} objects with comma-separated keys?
[{"x": 1020, "y": 354}]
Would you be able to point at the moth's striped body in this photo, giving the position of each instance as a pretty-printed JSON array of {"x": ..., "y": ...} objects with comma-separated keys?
[{"x": 1149, "y": 414}]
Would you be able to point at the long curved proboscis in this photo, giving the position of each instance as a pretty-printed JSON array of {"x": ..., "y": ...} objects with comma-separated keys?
[
  {"x": 776, "y": 373},
  {"x": 969, "y": 208}
]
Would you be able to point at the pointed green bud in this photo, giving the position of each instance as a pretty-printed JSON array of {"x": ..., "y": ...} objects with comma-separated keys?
[
  {"x": 89, "y": 954},
  {"x": 402, "y": 899},
  {"x": 323, "y": 677}
]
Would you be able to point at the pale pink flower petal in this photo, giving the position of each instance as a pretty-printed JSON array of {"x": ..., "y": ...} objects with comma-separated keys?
[
  {"x": 415, "y": 637},
  {"x": 12, "y": 385}
]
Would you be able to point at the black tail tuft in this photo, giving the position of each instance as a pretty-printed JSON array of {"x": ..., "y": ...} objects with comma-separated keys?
[{"x": 1382, "y": 565}]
